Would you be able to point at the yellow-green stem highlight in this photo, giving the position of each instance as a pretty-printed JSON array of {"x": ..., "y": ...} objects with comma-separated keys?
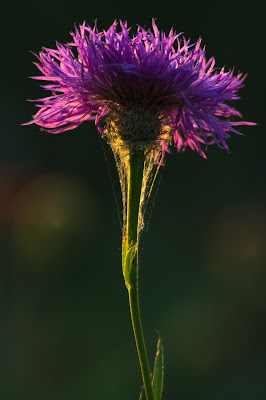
[{"x": 135, "y": 177}]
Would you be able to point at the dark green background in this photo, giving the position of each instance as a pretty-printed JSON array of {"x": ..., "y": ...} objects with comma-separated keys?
[{"x": 65, "y": 327}]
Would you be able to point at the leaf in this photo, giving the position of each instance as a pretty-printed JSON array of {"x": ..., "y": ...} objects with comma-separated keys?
[
  {"x": 128, "y": 265},
  {"x": 141, "y": 394},
  {"x": 124, "y": 253},
  {"x": 157, "y": 379}
]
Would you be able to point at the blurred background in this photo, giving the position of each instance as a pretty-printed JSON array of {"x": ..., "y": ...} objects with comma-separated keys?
[{"x": 65, "y": 326}]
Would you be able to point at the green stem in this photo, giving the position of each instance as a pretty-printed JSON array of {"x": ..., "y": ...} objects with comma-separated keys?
[{"x": 135, "y": 177}]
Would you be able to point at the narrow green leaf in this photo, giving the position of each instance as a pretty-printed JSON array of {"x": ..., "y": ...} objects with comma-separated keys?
[
  {"x": 124, "y": 253},
  {"x": 141, "y": 394},
  {"x": 157, "y": 379},
  {"x": 128, "y": 265}
]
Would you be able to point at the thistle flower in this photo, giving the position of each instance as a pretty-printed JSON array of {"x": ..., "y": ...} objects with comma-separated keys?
[
  {"x": 144, "y": 92},
  {"x": 147, "y": 88}
]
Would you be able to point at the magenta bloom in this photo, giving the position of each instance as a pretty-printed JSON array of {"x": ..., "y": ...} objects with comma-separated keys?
[{"x": 113, "y": 75}]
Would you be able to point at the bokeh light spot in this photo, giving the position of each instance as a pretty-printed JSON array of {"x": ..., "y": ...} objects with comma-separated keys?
[
  {"x": 236, "y": 243},
  {"x": 49, "y": 212}
]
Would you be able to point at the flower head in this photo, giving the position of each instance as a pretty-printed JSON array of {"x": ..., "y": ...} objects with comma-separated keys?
[{"x": 149, "y": 88}]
